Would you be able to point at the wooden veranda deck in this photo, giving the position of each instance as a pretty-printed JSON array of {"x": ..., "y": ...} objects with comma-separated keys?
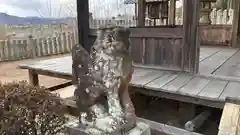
[{"x": 219, "y": 77}]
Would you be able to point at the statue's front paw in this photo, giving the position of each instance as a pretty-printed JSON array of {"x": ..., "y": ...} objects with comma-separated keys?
[
  {"x": 84, "y": 120},
  {"x": 120, "y": 119},
  {"x": 94, "y": 131},
  {"x": 107, "y": 124},
  {"x": 119, "y": 116}
]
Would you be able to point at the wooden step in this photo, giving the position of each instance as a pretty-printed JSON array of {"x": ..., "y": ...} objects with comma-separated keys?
[
  {"x": 230, "y": 123},
  {"x": 156, "y": 128},
  {"x": 65, "y": 92}
]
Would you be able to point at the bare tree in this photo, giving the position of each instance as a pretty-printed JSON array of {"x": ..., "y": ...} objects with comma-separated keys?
[{"x": 53, "y": 10}]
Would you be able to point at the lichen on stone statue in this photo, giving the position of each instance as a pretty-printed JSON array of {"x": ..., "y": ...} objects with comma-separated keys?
[{"x": 102, "y": 78}]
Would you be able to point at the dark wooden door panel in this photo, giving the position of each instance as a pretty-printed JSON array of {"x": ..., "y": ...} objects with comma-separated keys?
[{"x": 157, "y": 48}]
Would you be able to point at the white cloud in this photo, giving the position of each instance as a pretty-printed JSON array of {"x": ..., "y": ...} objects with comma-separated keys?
[
  {"x": 60, "y": 8},
  {"x": 46, "y": 8}
]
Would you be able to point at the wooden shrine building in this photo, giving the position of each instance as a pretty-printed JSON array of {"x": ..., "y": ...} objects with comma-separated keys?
[
  {"x": 169, "y": 61},
  {"x": 180, "y": 69},
  {"x": 178, "y": 45}
]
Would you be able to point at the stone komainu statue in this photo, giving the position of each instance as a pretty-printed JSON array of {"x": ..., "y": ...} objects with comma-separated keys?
[{"x": 102, "y": 78}]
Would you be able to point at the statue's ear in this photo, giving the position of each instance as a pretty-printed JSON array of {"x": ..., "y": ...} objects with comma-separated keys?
[
  {"x": 122, "y": 31},
  {"x": 127, "y": 31}
]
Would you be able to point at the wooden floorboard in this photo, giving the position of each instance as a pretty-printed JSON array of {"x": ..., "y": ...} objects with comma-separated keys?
[
  {"x": 231, "y": 67},
  {"x": 209, "y": 65},
  {"x": 231, "y": 90},
  {"x": 214, "y": 89},
  {"x": 177, "y": 83},
  {"x": 193, "y": 87},
  {"x": 161, "y": 81},
  {"x": 139, "y": 72},
  {"x": 146, "y": 78},
  {"x": 206, "y": 52}
]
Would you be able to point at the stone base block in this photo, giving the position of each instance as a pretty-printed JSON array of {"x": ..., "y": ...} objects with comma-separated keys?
[{"x": 74, "y": 128}]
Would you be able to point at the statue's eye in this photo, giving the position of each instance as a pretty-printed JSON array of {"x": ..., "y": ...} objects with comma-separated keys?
[{"x": 110, "y": 38}]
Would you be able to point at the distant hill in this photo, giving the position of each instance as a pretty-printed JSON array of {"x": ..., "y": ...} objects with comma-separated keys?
[{"x": 15, "y": 20}]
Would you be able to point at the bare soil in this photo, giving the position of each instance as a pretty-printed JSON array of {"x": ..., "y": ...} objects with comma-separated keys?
[{"x": 9, "y": 72}]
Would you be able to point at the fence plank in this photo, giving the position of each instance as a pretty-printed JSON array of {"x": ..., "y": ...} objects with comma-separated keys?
[
  {"x": 36, "y": 47},
  {"x": 60, "y": 43},
  {"x": 2, "y": 53},
  {"x": 64, "y": 42},
  {"x": 69, "y": 44},
  {"x": 14, "y": 49},
  {"x": 8, "y": 49},
  {"x": 41, "y": 47},
  {"x": 25, "y": 49},
  {"x": 46, "y": 51},
  {"x": 50, "y": 46},
  {"x": 55, "y": 46}
]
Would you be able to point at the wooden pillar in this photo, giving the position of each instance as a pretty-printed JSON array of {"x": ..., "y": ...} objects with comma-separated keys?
[
  {"x": 236, "y": 24},
  {"x": 172, "y": 12},
  {"x": 136, "y": 10},
  {"x": 83, "y": 23},
  {"x": 141, "y": 13},
  {"x": 191, "y": 41}
]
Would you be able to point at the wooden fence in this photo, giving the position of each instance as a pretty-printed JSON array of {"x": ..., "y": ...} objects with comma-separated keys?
[
  {"x": 217, "y": 17},
  {"x": 32, "y": 47}
]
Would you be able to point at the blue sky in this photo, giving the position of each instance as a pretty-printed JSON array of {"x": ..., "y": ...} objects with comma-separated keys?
[{"x": 60, "y": 8}]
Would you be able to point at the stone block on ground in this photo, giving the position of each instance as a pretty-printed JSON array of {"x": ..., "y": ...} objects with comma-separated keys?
[{"x": 74, "y": 128}]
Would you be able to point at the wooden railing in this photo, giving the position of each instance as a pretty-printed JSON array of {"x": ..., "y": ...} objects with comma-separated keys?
[{"x": 36, "y": 47}]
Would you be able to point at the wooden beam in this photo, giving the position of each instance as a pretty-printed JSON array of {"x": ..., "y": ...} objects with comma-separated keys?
[
  {"x": 233, "y": 100},
  {"x": 158, "y": 128},
  {"x": 191, "y": 35},
  {"x": 60, "y": 86},
  {"x": 172, "y": 12},
  {"x": 236, "y": 24},
  {"x": 229, "y": 124},
  {"x": 141, "y": 13},
  {"x": 83, "y": 23}
]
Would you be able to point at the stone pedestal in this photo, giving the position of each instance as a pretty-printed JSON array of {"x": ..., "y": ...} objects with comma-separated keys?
[{"x": 74, "y": 128}]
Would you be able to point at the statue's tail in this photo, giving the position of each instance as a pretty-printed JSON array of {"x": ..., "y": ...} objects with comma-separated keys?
[{"x": 80, "y": 61}]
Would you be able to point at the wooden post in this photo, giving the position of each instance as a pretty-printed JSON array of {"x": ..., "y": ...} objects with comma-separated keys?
[
  {"x": 172, "y": 12},
  {"x": 141, "y": 13},
  {"x": 191, "y": 35},
  {"x": 32, "y": 46},
  {"x": 83, "y": 23},
  {"x": 33, "y": 78},
  {"x": 236, "y": 24},
  {"x": 136, "y": 10}
]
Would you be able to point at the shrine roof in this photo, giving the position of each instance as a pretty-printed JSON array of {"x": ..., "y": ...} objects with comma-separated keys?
[{"x": 135, "y": 1}]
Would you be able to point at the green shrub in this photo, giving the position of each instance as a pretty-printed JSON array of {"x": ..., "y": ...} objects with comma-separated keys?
[{"x": 29, "y": 110}]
